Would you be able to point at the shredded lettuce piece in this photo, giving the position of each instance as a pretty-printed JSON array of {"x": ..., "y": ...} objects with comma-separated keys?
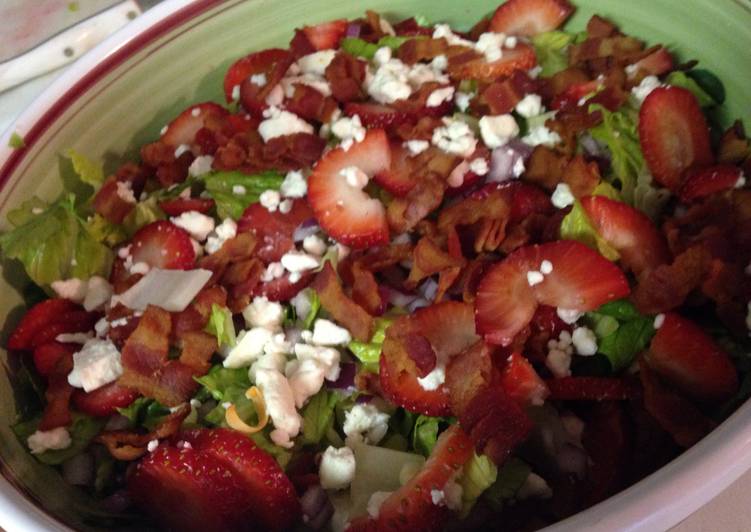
[
  {"x": 622, "y": 332},
  {"x": 360, "y": 48},
  {"x": 678, "y": 78},
  {"x": 144, "y": 412},
  {"x": 315, "y": 308},
  {"x": 105, "y": 231},
  {"x": 144, "y": 213},
  {"x": 318, "y": 416},
  {"x": 511, "y": 476},
  {"x": 425, "y": 434},
  {"x": 369, "y": 353},
  {"x": 220, "y": 325},
  {"x": 88, "y": 171},
  {"x": 576, "y": 225},
  {"x": 16, "y": 141},
  {"x": 82, "y": 430},
  {"x": 479, "y": 474},
  {"x": 234, "y": 191},
  {"x": 709, "y": 83},
  {"x": 551, "y": 49},
  {"x": 53, "y": 243},
  {"x": 221, "y": 382}
]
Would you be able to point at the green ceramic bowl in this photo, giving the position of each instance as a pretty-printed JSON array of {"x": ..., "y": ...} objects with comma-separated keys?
[{"x": 122, "y": 93}]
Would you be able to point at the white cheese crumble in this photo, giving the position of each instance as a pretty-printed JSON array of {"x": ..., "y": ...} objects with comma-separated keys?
[
  {"x": 462, "y": 99},
  {"x": 491, "y": 46},
  {"x": 349, "y": 130},
  {"x": 434, "y": 379},
  {"x": 393, "y": 80},
  {"x": 49, "y": 440},
  {"x": 337, "y": 469},
  {"x": 316, "y": 63},
  {"x": 647, "y": 85},
  {"x": 299, "y": 261},
  {"x": 534, "y": 277},
  {"x": 273, "y": 271},
  {"x": 444, "y": 31},
  {"x": 96, "y": 364},
  {"x": 258, "y": 79},
  {"x": 249, "y": 346},
  {"x": 270, "y": 199},
  {"x": 530, "y": 105},
  {"x": 279, "y": 123},
  {"x": 562, "y": 196},
  {"x": 659, "y": 320},
  {"x": 125, "y": 192},
  {"x": 314, "y": 245},
  {"x": 585, "y": 341},
  {"x": 71, "y": 289},
  {"x": 455, "y": 137},
  {"x": 497, "y": 130},
  {"x": 479, "y": 166},
  {"x": 560, "y": 351},
  {"x": 541, "y": 135},
  {"x": 355, "y": 177},
  {"x": 198, "y": 225},
  {"x": 294, "y": 185},
  {"x": 365, "y": 423},
  {"x": 264, "y": 313},
  {"x": 201, "y": 165},
  {"x": 328, "y": 333},
  {"x": 546, "y": 267},
  {"x": 438, "y": 96},
  {"x": 222, "y": 232},
  {"x": 280, "y": 404},
  {"x": 73, "y": 338},
  {"x": 569, "y": 316},
  {"x": 416, "y": 147},
  {"x": 534, "y": 487}
]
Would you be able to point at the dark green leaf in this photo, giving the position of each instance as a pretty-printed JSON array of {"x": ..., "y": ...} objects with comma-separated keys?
[
  {"x": 622, "y": 332},
  {"x": 622, "y": 310},
  {"x": 144, "y": 412},
  {"x": 318, "y": 416},
  {"x": 234, "y": 191},
  {"x": 678, "y": 78},
  {"x": 551, "y": 49},
  {"x": 425, "y": 434},
  {"x": 220, "y": 380},
  {"x": 710, "y": 83}
]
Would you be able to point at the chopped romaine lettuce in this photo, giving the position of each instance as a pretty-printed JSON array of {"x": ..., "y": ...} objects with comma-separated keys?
[
  {"x": 551, "y": 49},
  {"x": 54, "y": 243},
  {"x": 364, "y": 49},
  {"x": 221, "y": 382},
  {"x": 622, "y": 332},
  {"x": 144, "y": 412},
  {"x": 234, "y": 191},
  {"x": 425, "y": 434},
  {"x": 105, "y": 231},
  {"x": 318, "y": 416},
  {"x": 678, "y": 78},
  {"x": 220, "y": 325},
  {"x": 315, "y": 308},
  {"x": 144, "y": 213},
  {"x": 370, "y": 352},
  {"x": 88, "y": 171},
  {"x": 479, "y": 474}
]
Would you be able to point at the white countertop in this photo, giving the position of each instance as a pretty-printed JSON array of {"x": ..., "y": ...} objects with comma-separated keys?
[{"x": 728, "y": 512}]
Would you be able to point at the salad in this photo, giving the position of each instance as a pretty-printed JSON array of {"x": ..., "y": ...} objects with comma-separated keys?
[{"x": 403, "y": 278}]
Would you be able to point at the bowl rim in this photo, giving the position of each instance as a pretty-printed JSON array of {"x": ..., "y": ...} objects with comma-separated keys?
[{"x": 657, "y": 502}]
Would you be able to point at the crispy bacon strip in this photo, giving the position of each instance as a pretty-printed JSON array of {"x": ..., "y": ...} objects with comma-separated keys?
[
  {"x": 365, "y": 290},
  {"x": 198, "y": 348},
  {"x": 128, "y": 445},
  {"x": 342, "y": 308},
  {"x": 58, "y": 394},
  {"x": 429, "y": 259}
]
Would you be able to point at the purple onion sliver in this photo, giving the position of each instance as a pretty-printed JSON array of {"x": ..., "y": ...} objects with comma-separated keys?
[
  {"x": 79, "y": 470},
  {"x": 397, "y": 298},
  {"x": 428, "y": 289},
  {"x": 307, "y": 228},
  {"x": 316, "y": 507},
  {"x": 418, "y": 303},
  {"x": 117, "y": 503},
  {"x": 505, "y": 159},
  {"x": 363, "y": 399},
  {"x": 347, "y": 372},
  {"x": 353, "y": 30}
]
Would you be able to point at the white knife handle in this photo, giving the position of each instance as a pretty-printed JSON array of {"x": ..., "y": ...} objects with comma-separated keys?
[{"x": 66, "y": 46}]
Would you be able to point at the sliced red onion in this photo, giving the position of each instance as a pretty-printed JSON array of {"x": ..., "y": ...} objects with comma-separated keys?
[
  {"x": 316, "y": 507},
  {"x": 353, "y": 30},
  {"x": 117, "y": 503},
  {"x": 307, "y": 228},
  {"x": 428, "y": 289},
  {"x": 418, "y": 303},
  {"x": 117, "y": 422},
  {"x": 591, "y": 147},
  {"x": 572, "y": 459},
  {"x": 397, "y": 298},
  {"x": 79, "y": 470},
  {"x": 363, "y": 399},
  {"x": 506, "y": 159},
  {"x": 347, "y": 372}
]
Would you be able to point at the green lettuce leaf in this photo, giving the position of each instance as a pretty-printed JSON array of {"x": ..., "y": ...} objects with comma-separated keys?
[
  {"x": 144, "y": 412},
  {"x": 88, "y": 171},
  {"x": 369, "y": 353},
  {"x": 318, "y": 416},
  {"x": 511, "y": 476},
  {"x": 144, "y": 213},
  {"x": 479, "y": 474},
  {"x": 576, "y": 225},
  {"x": 425, "y": 434},
  {"x": 622, "y": 332},
  {"x": 364, "y": 49},
  {"x": 220, "y": 325},
  {"x": 105, "y": 231},
  {"x": 709, "y": 83},
  {"x": 221, "y": 382},
  {"x": 82, "y": 430},
  {"x": 223, "y": 188},
  {"x": 16, "y": 141},
  {"x": 54, "y": 243},
  {"x": 678, "y": 78},
  {"x": 315, "y": 308},
  {"x": 551, "y": 49}
]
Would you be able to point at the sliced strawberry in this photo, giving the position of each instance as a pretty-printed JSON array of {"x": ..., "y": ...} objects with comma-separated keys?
[
  {"x": 521, "y": 382},
  {"x": 573, "y": 94},
  {"x": 104, "y": 401},
  {"x": 36, "y": 319},
  {"x": 641, "y": 245},
  {"x": 690, "y": 360},
  {"x": 46, "y": 356},
  {"x": 464, "y": 66},
  {"x": 673, "y": 134},
  {"x": 183, "y": 129},
  {"x": 188, "y": 489},
  {"x": 177, "y": 206},
  {"x": 327, "y": 35},
  {"x": 398, "y": 179},
  {"x": 274, "y": 230},
  {"x": 530, "y": 17},
  {"x": 449, "y": 328},
  {"x": 411, "y": 507},
  {"x": 377, "y": 116},
  {"x": 581, "y": 279},
  {"x": 704, "y": 182},
  {"x": 590, "y": 389},
  {"x": 162, "y": 244},
  {"x": 263, "y": 62},
  {"x": 282, "y": 289},
  {"x": 267, "y": 489},
  {"x": 48, "y": 319},
  {"x": 657, "y": 63},
  {"x": 346, "y": 212}
]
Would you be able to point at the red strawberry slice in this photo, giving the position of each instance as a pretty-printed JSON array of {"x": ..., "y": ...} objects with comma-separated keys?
[
  {"x": 411, "y": 507},
  {"x": 581, "y": 279},
  {"x": 263, "y": 62},
  {"x": 521, "y": 382},
  {"x": 472, "y": 67},
  {"x": 269, "y": 491},
  {"x": 690, "y": 360},
  {"x": 104, "y": 401},
  {"x": 449, "y": 328},
  {"x": 183, "y": 129},
  {"x": 398, "y": 179},
  {"x": 377, "y": 116},
  {"x": 657, "y": 63},
  {"x": 162, "y": 244},
  {"x": 283, "y": 289},
  {"x": 274, "y": 230},
  {"x": 177, "y": 206},
  {"x": 641, "y": 245},
  {"x": 573, "y": 94},
  {"x": 590, "y": 389},
  {"x": 530, "y": 17},
  {"x": 673, "y": 134},
  {"x": 46, "y": 356},
  {"x": 704, "y": 182},
  {"x": 346, "y": 212},
  {"x": 327, "y": 35},
  {"x": 48, "y": 319}
]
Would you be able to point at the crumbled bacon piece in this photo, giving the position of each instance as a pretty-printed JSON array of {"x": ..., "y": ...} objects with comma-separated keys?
[{"x": 342, "y": 308}]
